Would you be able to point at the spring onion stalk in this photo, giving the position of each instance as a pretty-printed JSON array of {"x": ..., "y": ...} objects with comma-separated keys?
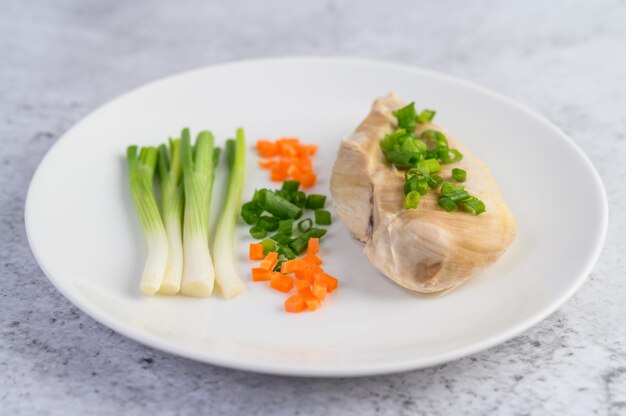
[
  {"x": 141, "y": 174},
  {"x": 171, "y": 175},
  {"x": 227, "y": 278},
  {"x": 199, "y": 164}
]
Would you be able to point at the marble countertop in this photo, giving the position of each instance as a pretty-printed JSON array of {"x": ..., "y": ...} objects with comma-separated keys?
[{"x": 61, "y": 59}]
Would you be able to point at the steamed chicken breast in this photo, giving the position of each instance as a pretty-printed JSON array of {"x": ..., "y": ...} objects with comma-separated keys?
[{"x": 427, "y": 249}]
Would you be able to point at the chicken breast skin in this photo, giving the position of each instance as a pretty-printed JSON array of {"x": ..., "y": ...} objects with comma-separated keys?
[{"x": 425, "y": 250}]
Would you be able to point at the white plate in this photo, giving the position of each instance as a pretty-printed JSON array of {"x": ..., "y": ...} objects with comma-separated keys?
[{"x": 84, "y": 233}]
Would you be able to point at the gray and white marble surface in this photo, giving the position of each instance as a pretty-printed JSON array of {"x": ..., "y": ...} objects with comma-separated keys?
[{"x": 61, "y": 59}]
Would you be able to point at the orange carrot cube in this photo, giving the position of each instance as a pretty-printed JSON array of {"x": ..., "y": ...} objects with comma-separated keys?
[
  {"x": 310, "y": 300},
  {"x": 260, "y": 275},
  {"x": 256, "y": 251},
  {"x": 269, "y": 261},
  {"x": 319, "y": 290},
  {"x": 302, "y": 286},
  {"x": 281, "y": 282},
  {"x": 313, "y": 246},
  {"x": 290, "y": 266},
  {"x": 294, "y": 304},
  {"x": 331, "y": 282}
]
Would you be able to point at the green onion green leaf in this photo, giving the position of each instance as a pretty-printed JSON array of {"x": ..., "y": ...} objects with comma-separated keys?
[
  {"x": 305, "y": 225},
  {"x": 322, "y": 217},
  {"x": 411, "y": 200},
  {"x": 407, "y": 117},
  {"x": 290, "y": 186},
  {"x": 447, "y": 204},
  {"x": 315, "y": 201},
  {"x": 459, "y": 175}
]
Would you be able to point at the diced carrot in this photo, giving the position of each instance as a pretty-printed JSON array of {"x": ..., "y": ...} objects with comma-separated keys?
[
  {"x": 309, "y": 149},
  {"x": 267, "y": 164},
  {"x": 293, "y": 171},
  {"x": 290, "y": 266},
  {"x": 256, "y": 251},
  {"x": 313, "y": 246},
  {"x": 281, "y": 282},
  {"x": 296, "y": 174},
  {"x": 310, "y": 300},
  {"x": 266, "y": 148},
  {"x": 293, "y": 161},
  {"x": 288, "y": 150},
  {"x": 307, "y": 272},
  {"x": 288, "y": 161},
  {"x": 269, "y": 261},
  {"x": 302, "y": 285},
  {"x": 309, "y": 180},
  {"x": 313, "y": 259},
  {"x": 320, "y": 289},
  {"x": 279, "y": 173},
  {"x": 260, "y": 275},
  {"x": 294, "y": 304},
  {"x": 305, "y": 165},
  {"x": 287, "y": 141},
  {"x": 331, "y": 282}
]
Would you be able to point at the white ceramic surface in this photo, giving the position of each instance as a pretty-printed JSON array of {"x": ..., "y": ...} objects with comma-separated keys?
[{"x": 86, "y": 238}]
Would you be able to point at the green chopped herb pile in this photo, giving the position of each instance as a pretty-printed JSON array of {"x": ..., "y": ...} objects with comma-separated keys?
[
  {"x": 422, "y": 158},
  {"x": 276, "y": 211}
]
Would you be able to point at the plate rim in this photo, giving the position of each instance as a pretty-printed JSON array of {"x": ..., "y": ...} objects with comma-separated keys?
[{"x": 335, "y": 370}]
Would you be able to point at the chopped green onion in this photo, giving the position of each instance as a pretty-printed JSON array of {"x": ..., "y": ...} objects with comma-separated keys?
[
  {"x": 268, "y": 245},
  {"x": 449, "y": 187},
  {"x": 426, "y": 116},
  {"x": 429, "y": 165},
  {"x": 447, "y": 204},
  {"x": 400, "y": 158},
  {"x": 278, "y": 206},
  {"x": 410, "y": 145},
  {"x": 459, "y": 175},
  {"x": 411, "y": 184},
  {"x": 268, "y": 223},
  {"x": 315, "y": 201},
  {"x": 287, "y": 252},
  {"x": 140, "y": 175},
  {"x": 474, "y": 206},
  {"x": 444, "y": 155},
  {"x": 299, "y": 244},
  {"x": 284, "y": 194},
  {"x": 422, "y": 186},
  {"x": 258, "y": 196},
  {"x": 458, "y": 196},
  {"x": 299, "y": 199},
  {"x": 434, "y": 181},
  {"x": 407, "y": 117},
  {"x": 258, "y": 232},
  {"x": 435, "y": 138},
  {"x": 416, "y": 172},
  {"x": 393, "y": 141},
  {"x": 281, "y": 238},
  {"x": 305, "y": 225},
  {"x": 411, "y": 200},
  {"x": 322, "y": 217},
  {"x": 285, "y": 227},
  {"x": 290, "y": 186},
  {"x": 250, "y": 212}
]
